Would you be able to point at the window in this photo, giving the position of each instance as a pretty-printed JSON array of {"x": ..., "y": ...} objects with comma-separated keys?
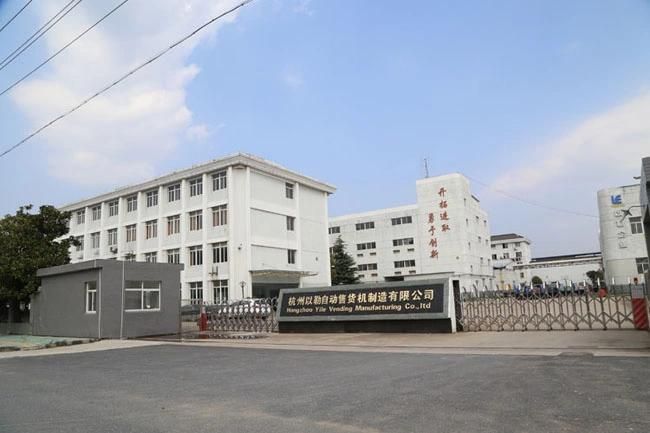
[
  {"x": 220, "y": 291},
  {"x": 220, "y": 215},
  {"x": 521, "y": 275},
  {"x": 404, "y": 241},
  {"x": 196, "y": 187},
  {"x": 220, "y": 252},
  {"x": 196, "y": 255},
  {"x": 91, "y": 296},
  {"x": 112, "y": 237},
  {"x": 174, "y": 192},
  {"x": 401, "y": 220},
  {"x": 291, "y": 223},
  {"x": 97, "y": 212},
  {"x": 152, "y": 198},
  {"x": 367, "y": 267},
  {"x": 151, "y": 229},
  {"x": 635, "y": 225},
  {"x": 94, "y": 240},
  {"x": 113, "y": 208},
  {"x": 173, "y": 224},
  {"x": 367, "y": 246},
  {"x": 506, "y": 255},
  {"x": 196, "y": 292},
  {"x": 219, "y": 180},
  {"x": 80, "y": 240},
  {"x": 494, "y": 256},
  {"x": 151, "y": 257},
  {"x": 517, "y": 244},
  {"x": 404, "y": 263},
  {"x": 334, "y": 230},
  {"x": 291, "y": 257},
  {"x": 505, "y": 246},
  {"x": 642, "y": 265},
  {"x": 365, "y": 226},
  {"x": 141, "y": 295},
  {"x": 518, "y": 256},
  {"x": 288, "y": 190},
  {"x": 132, "y": 203},
  {"x": 174, "y": 256},
  {"x": 131, "y": 233},
  {"x": 81, "y": 216},
  {"x": 196, "y": 220}
]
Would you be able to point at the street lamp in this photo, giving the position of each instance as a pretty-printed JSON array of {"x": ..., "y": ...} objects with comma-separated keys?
[{"x": 242, "y": 284}]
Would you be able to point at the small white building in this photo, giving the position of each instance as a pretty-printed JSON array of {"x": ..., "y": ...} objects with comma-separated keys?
[
  {"x": 445, "y": 232},
  {"x": 564, "y": 270},
  {"x": 509, "y": 250},
  {"x": 241, "y": 225},
  {"x": 622, "y": 241}
]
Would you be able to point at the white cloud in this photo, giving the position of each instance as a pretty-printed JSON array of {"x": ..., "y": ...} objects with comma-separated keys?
[
  {"x": 303, "y": 7},
  {"x": 120, "y": 136},
  {"x": 293, "y": 79}
]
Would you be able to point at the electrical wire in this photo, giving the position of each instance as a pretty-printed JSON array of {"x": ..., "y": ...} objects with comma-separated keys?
[{"x": 15, "y": 15}]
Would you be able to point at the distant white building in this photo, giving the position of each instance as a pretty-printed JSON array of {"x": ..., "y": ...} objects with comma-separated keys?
[
  {"x": 509, "y": 250},
  {"x": 243, "y": 227},
  {"x": 445, "y": 232},
  {"x": 622, "y": 242}
]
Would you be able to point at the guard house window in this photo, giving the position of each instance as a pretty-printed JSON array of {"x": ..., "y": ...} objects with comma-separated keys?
[
  {"x": 196, "y": 292},
  {"x": 288, "y": 190},
  {"x": 112, "y": 237},
  {"x": 196, "y": 255},
  {"x": 94, "y": 240},
  {"x": 132, "y": 203},
  {"x": 291, "y": 223},
  {"x": 367, "y": 267},
  {"x": 174, "y": 256},
  {"x": 367, "y": 246},
  {"x": 80, "y": 246},
  {"x": 196, "y": 220},
  {"x": 97, "y": 212},
  {"x": 173, "y": 225},
  {"x": 151, "y": 257},
  {"x": 636, "y": 226},
  {"x": 131, "y": 233},
  {"x": 151, "y": 229},
  {"x": 220, "y": 291},
  {"x": 334, "y": 230},
  {"x": 220, "y": 215},
  {"x": 196, "y": 187},
  {"x": 81, "y": 217},
  {"x": 404, "y": 263},
  {"x": 401, "y": 220},
  {"x": 642, "y": 265},
  {"x": 141, "y": 295},
  {"x": 113, "y": 208},
  {"x": 291, "y": 257},
  {"x": 220, "y": 252},
  {"x": 365, "y": 226},
  {"x": 152, "y": 198},
  {"x": 219, "y": 181},
  {"x": 91, "y": 296},
  {"x": 404, "y": 241},
  {"x": 174, "y": 192}
]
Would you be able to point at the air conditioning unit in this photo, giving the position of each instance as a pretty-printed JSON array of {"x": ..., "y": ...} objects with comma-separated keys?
[
  {"x": 113, "y": 250},
  {"x": 214, "y": 271}
]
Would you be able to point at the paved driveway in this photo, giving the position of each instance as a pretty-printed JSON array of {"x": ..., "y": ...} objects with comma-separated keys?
[{"x": 170, "y": 388}]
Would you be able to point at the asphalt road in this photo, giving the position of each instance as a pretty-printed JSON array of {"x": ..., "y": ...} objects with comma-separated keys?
[{"x": 206, "y": 389}]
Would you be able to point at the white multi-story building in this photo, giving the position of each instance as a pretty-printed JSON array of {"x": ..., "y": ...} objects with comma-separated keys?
[
  {"x": 243, "y": 227},
  {"x": 622, "y": 242},
  {"x": 445, "y": 232},
  {"x": 509, "y": 250}
]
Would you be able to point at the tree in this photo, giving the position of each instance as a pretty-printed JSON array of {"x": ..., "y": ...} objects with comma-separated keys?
[
  {"x": 596, "y": 277},
  {"x": 29, "y": 242},
  {"x": 536, "y": 280},
  {"x": 343, "y": 268}
]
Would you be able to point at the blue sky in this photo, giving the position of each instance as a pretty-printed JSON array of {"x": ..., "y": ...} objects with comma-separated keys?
[{"x": 548, "y": 101}]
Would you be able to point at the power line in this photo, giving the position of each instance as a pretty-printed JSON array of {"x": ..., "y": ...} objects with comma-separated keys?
[
  {"x": 532, "y": 203},
  {"x": 75, "y": 39},
  {"x": 125, "y": 76},
  {"x": 36, "y": 33},
  {"x": 14, "y": 17}
]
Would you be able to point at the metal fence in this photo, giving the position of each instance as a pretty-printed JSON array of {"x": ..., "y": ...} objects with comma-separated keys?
[
  {"x": 568, "y": 309},
  {"x": 247, "y": 315}
]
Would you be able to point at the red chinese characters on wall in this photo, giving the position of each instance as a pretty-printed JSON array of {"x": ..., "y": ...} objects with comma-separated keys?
[{"x": 443, "y": 216}]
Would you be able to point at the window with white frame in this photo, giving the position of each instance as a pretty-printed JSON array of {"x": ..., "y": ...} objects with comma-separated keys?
[
  {"x": 131, "y": 233},
  {"x": 97, "y": 212},
  {"x": 365, "y": 226},
  {"x": 151, "y": 229},
  {"x": 81, "y": 217},
  {"x": 219, "y": 180},
  {"x": 80, "y": 243},
  {"x": 220, "y": 252},
  {"x": 94, "y": 240},
  {"x": 220, "y": 215},
  {"x": 196, "y": 220},
  {"x": 291, "y": 223},
  {"x": 196, "y": 292},
  {"x": 401, "y": 220},
  {"x": 636, "y": 225},
  {"x": 196, "y": 187},
  {"x": 141, "y": 295},
  {"x": 173, "y": 225},
  {"x": 220, "y": 291},
  {"x": 334, "y": 230},
  {"x": 405, "y": 263},
  {"x": 152, "y": 198},
  {"x": 91, "y": 296},
  {"x": 174, "y": 255},
  {"x": 642, "y": 265},
  {"x": 196, "y": 255},
  {"x": 367, "y": 267},
  {"x": 367, "y": 246},
  {"x": 403, "y": 241},
  {"x": 174, "y": 192},
  {"x": 112, "y": 237},
  {"x": 291, "y": 257},
  {"x": 151, "y": 257},
  {"x": 132, "y": 203},
  {"x": 288, "y": 190},
  {"x": 113, "y": 208}
]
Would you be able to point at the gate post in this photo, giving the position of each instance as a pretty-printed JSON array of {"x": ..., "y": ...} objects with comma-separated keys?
[
  {"x": 639, "y": 308},
  {"x": 458, "y": 305}
]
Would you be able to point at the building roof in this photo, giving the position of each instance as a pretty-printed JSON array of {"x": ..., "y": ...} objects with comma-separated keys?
[
  {"x": 506, "y": 237},
  {"x": 99, "y": 264},
  {"x": 372, "y": 213},
  {"x": 583, "y": 256}
]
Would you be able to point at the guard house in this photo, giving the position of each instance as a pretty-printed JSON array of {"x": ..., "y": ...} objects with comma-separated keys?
[{"x": 107, "y": 299}]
